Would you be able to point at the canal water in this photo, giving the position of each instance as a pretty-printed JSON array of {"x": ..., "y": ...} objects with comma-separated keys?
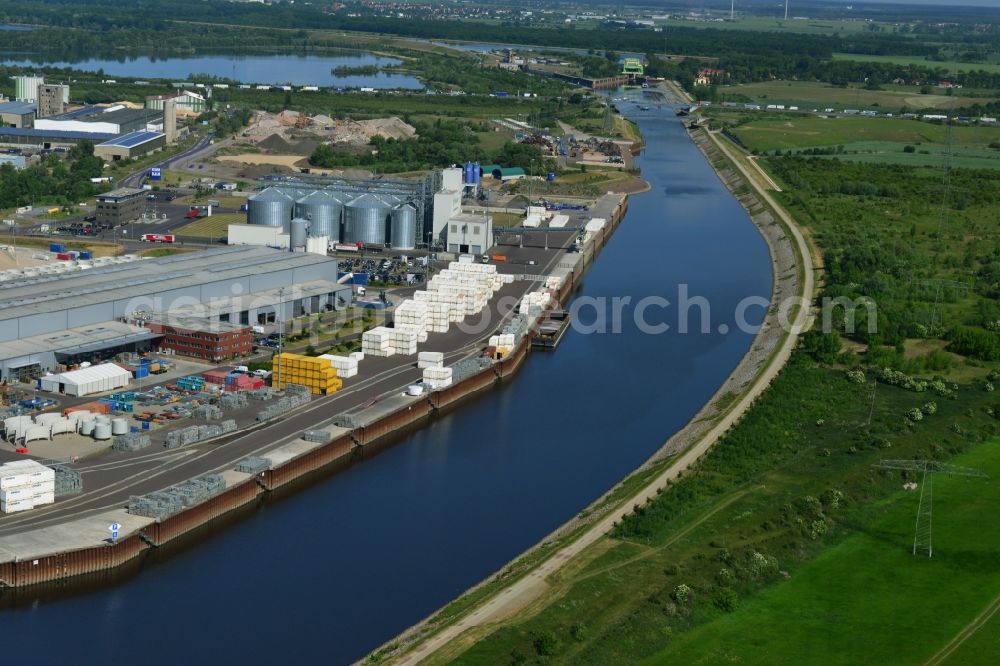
[
  {"x": 329, "y": 573},
  {"x": 296, "y": 70}
]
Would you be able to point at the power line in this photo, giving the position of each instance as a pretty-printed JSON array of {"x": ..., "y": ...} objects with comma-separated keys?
[{"x": 922, "y": 541}]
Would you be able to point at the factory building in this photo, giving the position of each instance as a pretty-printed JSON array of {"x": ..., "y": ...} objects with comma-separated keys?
[
  {"x": 47, "y": 139},
  {"x": 17, "y": 114},
  {"x": 52, "y": 99},
  {"x": 120, "y": 206},
  {"x": 114, "y": 120},
  {"x": 185, "y": 101},
  {"x": 51, "y": 321},
  {"x": 469, "y": 234},
  {"x": 199, "y": 337},
  {"x": 133, "y": 144},
  {"x": 26, "y": 87}
]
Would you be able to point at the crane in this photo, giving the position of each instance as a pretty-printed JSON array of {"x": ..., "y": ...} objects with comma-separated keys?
[{"x": 928, "y": 469}]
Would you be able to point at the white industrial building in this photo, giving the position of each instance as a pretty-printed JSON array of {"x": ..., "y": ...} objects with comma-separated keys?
[
  {"x": 117, "y": 119},
  {"x": 253, "y": 234},
  {"x": 101, "y": 378}
]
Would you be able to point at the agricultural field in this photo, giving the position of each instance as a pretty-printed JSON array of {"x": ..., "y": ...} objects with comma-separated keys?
[
  {"x": 810, "y": 95},
  {"x": 215, "y": 226},
  {"x": 870, "y": 585},
  {"x": 795, "y": 133},
  {"x": 946, "y": 65}
]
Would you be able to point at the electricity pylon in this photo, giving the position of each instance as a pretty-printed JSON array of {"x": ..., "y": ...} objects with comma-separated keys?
[{"x": 928, "y": 468}]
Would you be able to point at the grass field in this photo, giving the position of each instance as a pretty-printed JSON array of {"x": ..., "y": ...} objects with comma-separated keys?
[
  {"x": 868, "y": 599},
  {"x": 948, "y": 66},
  {"x": 808, "y": 94},
  {"x": 813, "y": 132},
  {"x": 929, "y": 155},
  {"x": 163, "y": 252},
  {"x": 215, "y": 226}
]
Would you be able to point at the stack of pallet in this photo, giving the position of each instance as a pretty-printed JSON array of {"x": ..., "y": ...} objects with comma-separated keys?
[
  {"x": 345, "y": 366},
  {"x": 316, "y": 374},
  {"x": 377, "y": 342},
  {"x": 430, "y": 360},
  {"x": 25, "y": 484},
  {"x": 437, "y": 378}
]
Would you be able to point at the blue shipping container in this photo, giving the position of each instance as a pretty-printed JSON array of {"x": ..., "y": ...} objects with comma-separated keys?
[
  {"x": 86, "y": 255},
  {"x": 141, "y": 371},
  {"x": 360, "y": 278},
  {"x": 145, "y": 425},
  {"x": 57, "y": 247}
]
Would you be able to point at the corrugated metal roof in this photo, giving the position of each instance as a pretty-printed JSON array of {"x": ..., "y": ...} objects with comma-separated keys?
[
  {"x": 18, "y": 108},
  {"x": 149, "y": 276},
  {"x": 31, "y": 132},
  {"x": 133, "y": 139}
]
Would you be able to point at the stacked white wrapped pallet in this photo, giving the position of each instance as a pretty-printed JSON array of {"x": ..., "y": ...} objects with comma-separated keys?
[
  {"x": 377, "y": 342},
  {"x": 438, "y": 316},
  {"x": 403, "y": 341},
  {"x": 437, "y": 378},
  {"x": 558, "y": 221},
  {"x": 430, "y": 360},
  {"x": 25, "y": 484},
  {"x": 345, "y": 366},
  {"x": 534, "y": 302},
  {"x": 357, "y": 356},
  {"x": 412, "y": 315}
]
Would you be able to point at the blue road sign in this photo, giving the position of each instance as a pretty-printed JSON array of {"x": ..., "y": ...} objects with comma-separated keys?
[
  {"x": 114, "y": 535},
  {"x": 155, "y": 173}
]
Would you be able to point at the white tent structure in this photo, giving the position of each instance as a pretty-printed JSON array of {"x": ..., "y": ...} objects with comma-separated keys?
[{"x": 95, "y": 379}]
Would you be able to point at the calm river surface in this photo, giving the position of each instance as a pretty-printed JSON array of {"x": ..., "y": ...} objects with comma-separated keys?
[
  {"x": 333, "y": 571},
  {"x": 296, "y": 70}
]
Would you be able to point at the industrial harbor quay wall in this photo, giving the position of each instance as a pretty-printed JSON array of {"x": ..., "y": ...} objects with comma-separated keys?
[{"x": 339, "y": 453}]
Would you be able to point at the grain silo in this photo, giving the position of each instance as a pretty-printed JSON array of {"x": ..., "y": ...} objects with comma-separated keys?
[
  {"x": 403, "y": 227},
  {"x": 366, "y": 220},
  {"x": 323, "y": 210},
  {"x": 270, "y": 208}
]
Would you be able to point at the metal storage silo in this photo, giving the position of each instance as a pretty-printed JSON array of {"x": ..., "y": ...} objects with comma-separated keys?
[
  {"x": 366, "y": 219},
  {"x": 403, "y": 227},
  {"x": 323, "y": 210},
  {"x": 270, "y": 208},
  {"x": 297, "y": 234}
]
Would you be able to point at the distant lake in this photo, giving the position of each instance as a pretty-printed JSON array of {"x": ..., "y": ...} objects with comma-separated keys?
[{"x": 299, "y": 70}]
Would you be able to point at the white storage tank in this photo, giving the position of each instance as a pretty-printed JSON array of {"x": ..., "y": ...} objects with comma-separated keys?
[
  {"x": 298, "y": 235},
  {"x": 102, "y": 431},
  {"x": 119, "y": 426}
]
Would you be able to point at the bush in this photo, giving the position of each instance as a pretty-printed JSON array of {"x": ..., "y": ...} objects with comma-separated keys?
[
  {"x": 726, "y": 600},
  {"x": 546, "y": 643}
]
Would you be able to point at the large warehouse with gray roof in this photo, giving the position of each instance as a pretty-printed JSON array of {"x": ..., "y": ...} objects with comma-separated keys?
[{"x": 93, "y": 314}]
